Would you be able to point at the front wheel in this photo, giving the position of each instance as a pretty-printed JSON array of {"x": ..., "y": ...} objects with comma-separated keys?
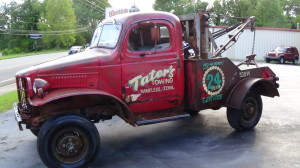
[
  {"x": 295, "y": 61},
  {"x": 248, "y": 116},
  {"x": 68, "y": 141},
  {"x": 281, "y": 60},
  {"x": 268, "y": 60}
]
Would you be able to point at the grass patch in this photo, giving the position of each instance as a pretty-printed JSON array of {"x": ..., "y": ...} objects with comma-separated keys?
[
  {"x": 32, "y": 53},
  {"x": 7, "y": 100}
]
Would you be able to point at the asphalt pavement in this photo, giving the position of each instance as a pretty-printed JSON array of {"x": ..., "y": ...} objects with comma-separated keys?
[
  {"x": 203, "y": 141},
  {"x": 7, "y": 88},
  {"x": 9, "y": 67}
]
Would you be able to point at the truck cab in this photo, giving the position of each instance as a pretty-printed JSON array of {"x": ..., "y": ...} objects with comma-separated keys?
[{"x": 136, "y": 69}]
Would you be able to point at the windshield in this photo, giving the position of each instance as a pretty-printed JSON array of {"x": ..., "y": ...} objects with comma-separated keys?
[
  {"x": 279, "y": 49},
  {"x": 106, "y": 35}
]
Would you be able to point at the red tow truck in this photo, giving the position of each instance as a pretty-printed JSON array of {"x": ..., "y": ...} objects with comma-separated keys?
[{"x": 137, "y": 69}]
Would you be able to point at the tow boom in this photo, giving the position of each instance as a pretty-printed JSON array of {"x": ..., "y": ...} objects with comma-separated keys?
[{"x": 198, "y": 35}]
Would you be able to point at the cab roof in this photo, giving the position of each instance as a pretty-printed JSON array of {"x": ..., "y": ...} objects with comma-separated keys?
[{"x": 129, "y": 18}]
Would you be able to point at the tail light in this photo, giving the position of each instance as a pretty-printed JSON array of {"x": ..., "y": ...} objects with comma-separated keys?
[{"x": 265, "y": 74}]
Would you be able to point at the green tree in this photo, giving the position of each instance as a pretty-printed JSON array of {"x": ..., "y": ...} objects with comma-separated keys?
[
  {"x": 88, "y": 13},
  {"x": 28, "y": 15},
  {"x": 17, "y": 21},
  {"x": 180, "y": 6},
  {"x": 295, "y": 20},
  {"x": 4, "y": 20},
  {"x": 58, "y": 21},
  {"x": 272, "y": 16},
  {"x": 292, "y": 11},
  {"x": 218, "y": 12},
  {"x": 12, "y": 23},
  {"x": 225, "y": 10},
  {"x": 269, "y": 13}
]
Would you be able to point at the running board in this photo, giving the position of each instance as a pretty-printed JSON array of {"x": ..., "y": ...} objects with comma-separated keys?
[{"x": 158, "y": 117}]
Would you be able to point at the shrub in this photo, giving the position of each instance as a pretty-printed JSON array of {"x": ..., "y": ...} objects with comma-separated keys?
[
  {"x": 17, "y": 50},
  {"x": 7, "y": 51}
]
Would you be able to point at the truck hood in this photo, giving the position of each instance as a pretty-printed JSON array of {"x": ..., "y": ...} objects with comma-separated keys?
[
  {"x": 77, "y": 63},
  {"x": 84, "y": 62},
  {"x": 78, "y": 70},
  {"x": 273, "y": 53}
]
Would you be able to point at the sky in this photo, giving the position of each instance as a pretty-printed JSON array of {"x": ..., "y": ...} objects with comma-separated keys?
[{"x": 143, "y": 5}]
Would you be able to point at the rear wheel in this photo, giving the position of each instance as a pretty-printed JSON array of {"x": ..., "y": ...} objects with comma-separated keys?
[
  {"x": 281, "y": 60},
  {"x": 248, "y": 116},
  {"x": 268, "y": 60},
  {"x": 296, "y": 60},
  {"x": 68, "y": 141}
]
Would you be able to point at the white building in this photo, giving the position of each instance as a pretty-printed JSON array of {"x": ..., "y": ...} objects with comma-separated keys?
[{"x": 266, "y": 39}]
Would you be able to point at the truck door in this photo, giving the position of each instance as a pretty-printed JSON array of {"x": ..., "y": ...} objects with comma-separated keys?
[
  {"x": 294, "y": 53},
  {"x": 151, "y": 78},
  {"x": 289, "y": 55}
]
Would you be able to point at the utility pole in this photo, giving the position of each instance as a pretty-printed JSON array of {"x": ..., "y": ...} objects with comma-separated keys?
[{"x": 195, "y": 1}]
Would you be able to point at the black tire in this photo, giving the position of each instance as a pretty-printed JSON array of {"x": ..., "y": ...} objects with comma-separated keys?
[
  {"x": 35, "y": 131},
  {"x": 268, "y": 60},
  {"x": 295, "y": 61},
  {"x": 248, "y": 116},
  {"x": 281, "y": 60},
  {"x": 68, "y": 141}
]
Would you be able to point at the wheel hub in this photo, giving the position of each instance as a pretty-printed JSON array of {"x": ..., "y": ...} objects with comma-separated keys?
[
  {"x": 69, "y": 145},
  {"x": 249, "y": 112}
]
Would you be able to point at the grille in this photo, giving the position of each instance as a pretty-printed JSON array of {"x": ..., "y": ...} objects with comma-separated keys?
[
  {"x": 22, "y": 91},
  {"x": 272, "y": 55},
  {"x": 70, "y": 80}
]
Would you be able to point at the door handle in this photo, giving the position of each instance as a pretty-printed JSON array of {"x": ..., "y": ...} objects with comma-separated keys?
[{"x": 172, "y": 63}]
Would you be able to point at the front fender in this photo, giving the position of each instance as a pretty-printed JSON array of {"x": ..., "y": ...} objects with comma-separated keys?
[
  {"x": 265, "y": 87},
  {"x": 58, "y": 94}
]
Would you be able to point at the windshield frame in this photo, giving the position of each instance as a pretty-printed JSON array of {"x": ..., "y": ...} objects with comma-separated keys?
[{"x": 100, "y": 29}]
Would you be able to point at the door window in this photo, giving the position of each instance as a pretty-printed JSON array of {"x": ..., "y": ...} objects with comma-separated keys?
[{"x": 149, "y": 38}]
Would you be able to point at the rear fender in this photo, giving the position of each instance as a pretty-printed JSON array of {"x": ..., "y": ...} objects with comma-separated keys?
[
  {"x": 260, "y": 86},
  {"x": 60, "y": 94}
]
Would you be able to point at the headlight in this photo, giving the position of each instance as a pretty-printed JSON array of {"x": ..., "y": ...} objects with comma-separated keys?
[{"x": 40, "y": 86}]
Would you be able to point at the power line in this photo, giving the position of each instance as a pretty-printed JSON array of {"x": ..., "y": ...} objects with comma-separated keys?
[
  {"x": 41, "y": 23},
  {"x": 87, "y": 4},
  {"x": 51, "y": 31},
  {"x": 103, "y": 3},
  {"x": 27, "y": 32},
  {"x": 44, "y": 34},
  {"x": 92, "y": 3}
]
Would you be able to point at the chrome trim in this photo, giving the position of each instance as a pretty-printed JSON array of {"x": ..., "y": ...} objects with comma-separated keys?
[{"x": 18, "y": 116}]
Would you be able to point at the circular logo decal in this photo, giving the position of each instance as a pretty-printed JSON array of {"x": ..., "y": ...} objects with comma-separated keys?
[{"x": 213, "y": 80}]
